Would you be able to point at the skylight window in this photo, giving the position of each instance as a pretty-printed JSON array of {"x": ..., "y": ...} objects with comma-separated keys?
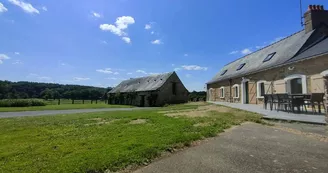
[
  {"x": 241, "y": 66},
  {"x": 224, "y": 72},
  {"x": 269, "y": 57}
]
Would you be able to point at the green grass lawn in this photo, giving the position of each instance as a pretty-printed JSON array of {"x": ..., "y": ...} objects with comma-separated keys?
[
  {"x": 61, "y": 107},
  {"x": 95, "y": 142}
]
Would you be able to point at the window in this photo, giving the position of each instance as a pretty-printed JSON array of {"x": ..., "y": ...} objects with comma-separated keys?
[
  {"x": 260, "y": 89},
  {"x": 222, "y": 92},
  {"x": 241, "y": 66},
  {"x": 269, "y": 57},
  {"x": 296, "y": 86},
  {"x": 174, "y": 88},
  {"x": 224, "y": 72},
  {"x": 235, "y": 91}
]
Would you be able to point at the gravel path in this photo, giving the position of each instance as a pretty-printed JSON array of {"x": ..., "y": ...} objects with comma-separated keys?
[
  {"x": 72, "y": 111},
  {"x": 249, "y": 148}
]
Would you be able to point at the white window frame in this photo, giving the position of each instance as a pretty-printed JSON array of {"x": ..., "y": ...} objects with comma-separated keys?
[
  {"x": 258, "y": 90},
  {"x": 236, "y": 86},
  {"x": 222, "y": 92},
  {"x": 304, "y": 82}
]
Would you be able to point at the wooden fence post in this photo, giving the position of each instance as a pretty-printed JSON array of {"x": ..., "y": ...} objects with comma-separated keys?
[{"x": 326, "y": 96}]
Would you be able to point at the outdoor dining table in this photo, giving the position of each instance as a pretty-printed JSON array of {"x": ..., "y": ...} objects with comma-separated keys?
[{"x": 297, "y": 100}]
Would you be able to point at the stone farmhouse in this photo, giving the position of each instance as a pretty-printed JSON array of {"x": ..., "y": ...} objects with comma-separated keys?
[
  {"x": 297, "y": 64},
  {"x": 155, "y": 90}
]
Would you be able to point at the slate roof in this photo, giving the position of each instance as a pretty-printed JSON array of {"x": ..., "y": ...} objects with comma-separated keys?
[
  {"x": 148, "y": 83},
  {"x": 286, "y": 50},
  {"x": 318, "y": 49}
]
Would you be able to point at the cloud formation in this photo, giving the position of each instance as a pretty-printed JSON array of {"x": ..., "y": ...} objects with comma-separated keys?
[{"x": 27, "y": 7}]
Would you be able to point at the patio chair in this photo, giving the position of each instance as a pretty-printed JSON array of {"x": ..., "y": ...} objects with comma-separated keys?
[
  {"x": 316, "y": 99},
  {"x": 267, "y": 99},
  {"x": 274, "y": 101},
  {"x": 285, "y": 101}
]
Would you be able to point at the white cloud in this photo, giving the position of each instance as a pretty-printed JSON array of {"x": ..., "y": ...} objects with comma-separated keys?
[
  {"x": 193, "y": 67},
  {"x": 80, "y": 79},
  {"x": 126, "y": 39},
  {"x": 147, "y": 26},
  {"x": 121, "y": 24},
  {"x": 17, "y": 62},
  {"x": 95, "y": 14},
  {"x": 154, "y": 73},
  {"x": 17, "y": 53},
  {"x": 177, "y": 69},
  {"x": 3, "y": 57},
  {"x": 141, "y": 71},
  {"x": 185, "y": 54},
  {"x": 114, "y": 78},
  {"x": 157, "y": 42},
  {"x": 124, "y": 21},
  {"x": 246, "y": 51},
  {"x": 152, "y": 33},
  {"x": 173, "y": 65},
  {"x": 234, "y": 52},
  {"x": 2, "y": 8},
  {"x": 44, "y": 8},
  {"x": 104, "y": 42},
  {"x": 27, "y": 7},
  {"x": 44, "y": 78},
  {"x": 188, "y": 75},
  {"x": 129, "y": 73},
  {"x": 116, "y": 73},
  {"x": 106, "y": 71},
  {"x": 112, "y": 28},
  {"x": 259, "y": 47}
]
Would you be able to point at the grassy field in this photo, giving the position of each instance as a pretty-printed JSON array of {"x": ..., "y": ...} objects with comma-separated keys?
[
  {"x": 95, "y": 142},
  {"x": 65, "y": 104}
]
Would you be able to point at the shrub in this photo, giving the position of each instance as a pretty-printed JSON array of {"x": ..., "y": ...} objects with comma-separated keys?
[{"x": 21, "y": 102}]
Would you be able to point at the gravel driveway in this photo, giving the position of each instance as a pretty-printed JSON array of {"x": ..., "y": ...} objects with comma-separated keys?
[
  {"x": 251, "y": 148},
  {"x": 72, "y": 111}
]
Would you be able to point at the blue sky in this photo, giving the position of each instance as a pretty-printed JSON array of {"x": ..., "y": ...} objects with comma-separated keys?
[{"x": 101, "y": 42}]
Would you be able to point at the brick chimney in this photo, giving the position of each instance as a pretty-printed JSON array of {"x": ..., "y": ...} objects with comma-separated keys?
[{"x": 315, "y": 16}]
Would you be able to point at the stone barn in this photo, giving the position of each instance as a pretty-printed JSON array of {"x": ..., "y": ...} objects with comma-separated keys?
[{"x": 155, "y": 90}]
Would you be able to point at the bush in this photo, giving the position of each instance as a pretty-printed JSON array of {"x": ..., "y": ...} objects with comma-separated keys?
[{"x": 21, "y": 102}]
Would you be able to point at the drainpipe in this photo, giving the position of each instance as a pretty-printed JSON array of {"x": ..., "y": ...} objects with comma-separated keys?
[{"x": 230, "y": 95}]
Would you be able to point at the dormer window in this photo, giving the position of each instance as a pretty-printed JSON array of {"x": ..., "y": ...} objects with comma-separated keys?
[
  {"x": 269, "y": 57},
  {"x": 241, "y": 66},
  {"x": 224, "y": 72}
]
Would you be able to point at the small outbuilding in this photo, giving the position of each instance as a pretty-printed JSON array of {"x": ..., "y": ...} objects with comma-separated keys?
[{"x": 154, "y": 90}]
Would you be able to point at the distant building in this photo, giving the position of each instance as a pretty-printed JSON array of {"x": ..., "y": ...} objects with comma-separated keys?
[
  {"x": 155, "y": 90},
  {"x": 297, "y": 64}
]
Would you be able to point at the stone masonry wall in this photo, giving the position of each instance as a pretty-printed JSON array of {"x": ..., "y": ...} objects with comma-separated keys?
[{"x": 166, "y": 95}]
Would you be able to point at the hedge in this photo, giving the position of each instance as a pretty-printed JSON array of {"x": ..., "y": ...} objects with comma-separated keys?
[{"x": 21, "y": 102}]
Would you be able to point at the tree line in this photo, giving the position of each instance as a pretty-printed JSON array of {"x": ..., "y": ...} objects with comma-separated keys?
[
  {"x": 197, "y": 96},
  {"x": 24, "y": 90}
]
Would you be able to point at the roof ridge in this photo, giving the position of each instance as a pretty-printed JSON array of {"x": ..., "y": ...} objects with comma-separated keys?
[
  {"x": 148, "y": 76},
  {"x": 266, "y": 46}
]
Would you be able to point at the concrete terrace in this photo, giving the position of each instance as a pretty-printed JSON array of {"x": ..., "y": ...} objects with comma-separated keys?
[{"x": 274, "y": 115}]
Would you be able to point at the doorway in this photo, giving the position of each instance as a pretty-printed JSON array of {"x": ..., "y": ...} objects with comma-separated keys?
[
  {"x": 142, "y": 101},
  {"x": 246, "y": 93}
]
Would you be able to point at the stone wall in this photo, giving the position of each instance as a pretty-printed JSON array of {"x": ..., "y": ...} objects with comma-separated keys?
[{"x": 166, "y": 95}]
